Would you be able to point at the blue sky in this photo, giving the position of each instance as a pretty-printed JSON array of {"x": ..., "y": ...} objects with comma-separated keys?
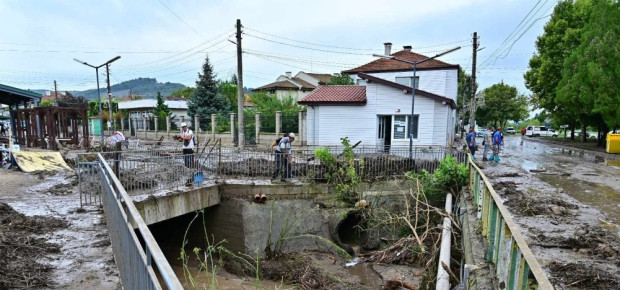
[{"x": 168, "y": 39}]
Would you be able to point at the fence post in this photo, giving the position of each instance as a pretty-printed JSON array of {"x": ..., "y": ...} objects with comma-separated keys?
[
  {"x": 135, "y": 126},
  {"x": 300, "y": 127},
  {"x": 122, "y": 126},
  {"x": 257, "y": 127},
  {"x": 156, "y": 125},
  {"x": 278, "y": 123},
  {"x": 168, "y": 126},
  {"x": 232, "y": 127},
  {"x": 144, "y": 123},
  {"x": 213, "y": 124}
]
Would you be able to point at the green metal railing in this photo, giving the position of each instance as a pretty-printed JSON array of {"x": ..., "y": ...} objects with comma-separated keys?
[{"x": 515, "y": 265}]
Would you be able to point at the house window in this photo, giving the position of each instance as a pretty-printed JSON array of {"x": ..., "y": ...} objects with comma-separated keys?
[
  {"x": 401, "y": 127},
  {"x": 407, "y": 81}
]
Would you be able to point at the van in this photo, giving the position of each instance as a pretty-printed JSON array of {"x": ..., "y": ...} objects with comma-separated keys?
[{"x": 537, "y": 131}]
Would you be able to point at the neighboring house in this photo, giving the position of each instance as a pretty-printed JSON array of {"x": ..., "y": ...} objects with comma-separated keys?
[
  {"x": 377, "y": 110},
  {"x": 51, "y": 96},
  {"x": 140, "y": 109},
  {"x": 296, "y": 87}
]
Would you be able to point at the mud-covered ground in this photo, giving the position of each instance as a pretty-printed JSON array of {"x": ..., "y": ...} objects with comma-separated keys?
[
  {"x": 46, "y": 240},
  {"x": 567, "y": 204}
]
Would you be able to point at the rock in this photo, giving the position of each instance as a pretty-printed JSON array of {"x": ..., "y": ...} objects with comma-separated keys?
[
  {"x": 558, "y": 210},
  {"x": 583, "y": 251},
  {"x": 581, "y": 231}
]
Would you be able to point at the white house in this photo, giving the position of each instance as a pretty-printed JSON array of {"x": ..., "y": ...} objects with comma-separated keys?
[
  {"x": 296, "y": 87},
  {"x": 143, "y": 108},
  {"x": 377, "y": 110}
]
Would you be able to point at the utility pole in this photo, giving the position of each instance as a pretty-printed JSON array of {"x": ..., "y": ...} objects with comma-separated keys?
[
  {"x": 240, "y": 98},
  {"x": 472, "y": 114},
  {"x": 107, "y": 71}
]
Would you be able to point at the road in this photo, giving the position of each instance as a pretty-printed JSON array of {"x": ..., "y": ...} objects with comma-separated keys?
[{"x": 567, "y": 204}]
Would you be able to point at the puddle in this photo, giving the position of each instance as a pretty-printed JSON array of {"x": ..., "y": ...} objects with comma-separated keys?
[
  {"x": 222, "y": 281},
  {"x": 599, "y": 196},
  {"x": 367, "y": 275},
  {"x": 529, "y": 165}
]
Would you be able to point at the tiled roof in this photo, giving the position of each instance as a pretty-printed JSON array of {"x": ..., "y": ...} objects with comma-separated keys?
[
  {"x": 286, "y": 84},
  {"x": 436, "y": 97},
  {"x": 336, "y": 95},
  {"x": 323, "y": 78},
  {"x": 385, "y": 64}
]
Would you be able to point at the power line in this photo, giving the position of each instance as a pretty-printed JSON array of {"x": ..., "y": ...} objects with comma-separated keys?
[{"x": 179, "y": 17}]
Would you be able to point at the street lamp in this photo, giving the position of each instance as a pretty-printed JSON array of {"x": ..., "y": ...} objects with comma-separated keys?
[
  {"x": 98, "y": 92},
  {"x": 413, "y": 83}
]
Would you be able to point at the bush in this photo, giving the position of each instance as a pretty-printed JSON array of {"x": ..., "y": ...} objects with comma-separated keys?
[{"x": 449, "y": 177}]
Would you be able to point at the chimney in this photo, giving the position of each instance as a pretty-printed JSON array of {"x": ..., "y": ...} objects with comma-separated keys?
[
  {"x": 407, "y": 48},
  {"x": 288, "y": 74},
  {"x": 388, "y": 48}
]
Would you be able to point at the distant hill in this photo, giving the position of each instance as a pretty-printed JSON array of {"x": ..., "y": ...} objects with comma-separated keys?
[{"x": 146, "y": 87}]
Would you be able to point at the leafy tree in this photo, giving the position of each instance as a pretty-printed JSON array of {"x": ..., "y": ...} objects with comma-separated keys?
[
  {"x": 234, "y": 80},
  {"x": 185, "y": 93},
  {"x": 207, "y": 99},
  {"x": 561, "y": 37},
  {"x": 268, "y": 104},
  {"x": 591, "y": 74},
  {"x": 46, "y": 103},
  {"x": 229, "y": 90},
  {"x": 464, "y": 91},
  {"x": 342, "y": 79},
  {"x": 69, "y": 101},
  {"x": 502, "y": 103}
]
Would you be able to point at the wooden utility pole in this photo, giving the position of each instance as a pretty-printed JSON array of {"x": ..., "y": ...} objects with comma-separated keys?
[
  {"x": 472, "y": 113},
  {"x": 240, "y": 98},
  {"x": 55, "y": 92}
]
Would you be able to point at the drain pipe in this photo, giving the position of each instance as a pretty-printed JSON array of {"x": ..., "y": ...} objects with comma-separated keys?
[{"x": 443, "y": 279}]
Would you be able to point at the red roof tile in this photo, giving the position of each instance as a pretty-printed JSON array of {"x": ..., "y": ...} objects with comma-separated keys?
[
  {"x": 336, "y": 95},
  {"x": 385, "y": 64}
]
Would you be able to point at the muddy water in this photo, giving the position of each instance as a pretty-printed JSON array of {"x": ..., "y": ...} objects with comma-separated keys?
[
  {"x": 223, "y": 281},
  {"x": 589, "y": 178}
]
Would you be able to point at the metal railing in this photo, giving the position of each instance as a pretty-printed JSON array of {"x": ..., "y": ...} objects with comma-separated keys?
[
  {"x": 135, "y": 262},
  {"x": 515, "y": 265},
  {"x": 161, "y": 169}
]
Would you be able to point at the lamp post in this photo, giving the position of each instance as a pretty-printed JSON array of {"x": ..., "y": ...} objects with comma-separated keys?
[
  {"x": 98, "y": 92},
  {"x": 413, "y": 87}
]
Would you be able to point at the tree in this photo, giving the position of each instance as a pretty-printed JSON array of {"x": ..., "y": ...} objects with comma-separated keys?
[
  {"x": 341, "y": 80},
  {"x": 207, "y": 99},
  {"x": 464, "y": 93},
  {"x": 184, "y": 93},
  {"x": 502, "y": 103},
  {"x": 229, "y": 90},
  {"x": 162, "y": 111},
  {"x": 560, "y": 38},
  {"x": 591, "y": 73}
]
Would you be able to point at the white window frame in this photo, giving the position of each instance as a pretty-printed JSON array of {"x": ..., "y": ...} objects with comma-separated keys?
[
  {"x": 417, "y": 81},
  {"x": 407, "y": 133}
]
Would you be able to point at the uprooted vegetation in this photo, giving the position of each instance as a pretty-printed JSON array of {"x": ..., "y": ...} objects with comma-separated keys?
[{"x": 21, "y": 250}]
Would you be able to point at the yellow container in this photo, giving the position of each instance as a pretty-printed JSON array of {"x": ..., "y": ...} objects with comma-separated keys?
[{"x": 613, "y": 143}]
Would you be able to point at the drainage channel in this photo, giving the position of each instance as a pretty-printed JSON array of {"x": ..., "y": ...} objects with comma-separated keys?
[{"x": 285, "y": 235}]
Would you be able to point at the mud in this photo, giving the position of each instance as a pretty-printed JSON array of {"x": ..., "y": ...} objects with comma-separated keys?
[
  {"x": 71, "y": 244},
  {"x": 565, "y": 202}
]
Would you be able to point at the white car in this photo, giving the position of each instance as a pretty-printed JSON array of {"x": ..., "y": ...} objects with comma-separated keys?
[
  {"x": 510, "y": 130},
  {"x": 537, "y": 131}
]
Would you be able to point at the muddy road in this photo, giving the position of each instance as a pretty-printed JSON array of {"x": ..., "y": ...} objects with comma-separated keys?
[{"x": 567, "y": 204}]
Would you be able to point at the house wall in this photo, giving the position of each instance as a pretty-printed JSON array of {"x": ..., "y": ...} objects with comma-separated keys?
[
  {"x": 308, "y": 78},
  {"x": 327, "y": 124},
  {"x": 297, "y": 95},
  {"x": 440, "y": 82}
]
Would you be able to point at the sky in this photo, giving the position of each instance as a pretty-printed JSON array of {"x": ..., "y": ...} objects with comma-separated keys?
[{"x": 169, "y": 40}]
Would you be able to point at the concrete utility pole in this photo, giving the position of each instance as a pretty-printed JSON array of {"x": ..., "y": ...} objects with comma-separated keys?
[
  {"x": 55, "y": 92},
  {"x": 107, "y": 71},
  {"x": 472, "y": 114},
  {"x": 240, "y": 98}
]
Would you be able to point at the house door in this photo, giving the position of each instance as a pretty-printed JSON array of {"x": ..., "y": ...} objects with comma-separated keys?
[{"x": 384, "y": 132}]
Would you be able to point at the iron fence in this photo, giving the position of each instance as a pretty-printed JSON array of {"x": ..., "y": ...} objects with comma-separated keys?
[
  {"x": 516, "y": 267},
  {"x": 161, "y": 169}
]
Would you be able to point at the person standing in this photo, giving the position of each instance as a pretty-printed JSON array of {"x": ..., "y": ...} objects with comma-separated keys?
[
  {"x": 470, "y": 138},
  {"x": 187, "y": 137},
  {"x": 522, "y": 133},
  {"x": 488, "y": 139},
  {"x": 283, "y": 157},
  {"x": 497, "y": 142},
  {"x": 2, "y": 129}
]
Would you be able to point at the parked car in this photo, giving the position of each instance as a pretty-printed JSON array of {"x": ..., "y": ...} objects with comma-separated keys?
[
  {"x": 537, "y": 131},
  {"x": 510, "y": 130},
  {"x": 578, "y": 134}
]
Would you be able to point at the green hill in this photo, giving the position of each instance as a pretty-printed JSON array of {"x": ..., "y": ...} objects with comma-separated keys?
[{"x": 146, "y": 87}]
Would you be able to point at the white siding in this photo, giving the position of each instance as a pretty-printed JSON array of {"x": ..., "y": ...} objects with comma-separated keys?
[
  {"x": 327, "y": 124},
  {"x": 439, "y": 82},
  {"x": 305, "y": 77}
]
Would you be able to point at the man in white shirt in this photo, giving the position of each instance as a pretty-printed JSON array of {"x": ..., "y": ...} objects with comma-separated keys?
[
  {"x": 187, "y": 137},
  {"x": 284, "y": 157}
]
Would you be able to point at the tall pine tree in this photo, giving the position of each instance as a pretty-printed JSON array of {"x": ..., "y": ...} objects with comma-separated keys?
[{"x": 207, "y": 99}]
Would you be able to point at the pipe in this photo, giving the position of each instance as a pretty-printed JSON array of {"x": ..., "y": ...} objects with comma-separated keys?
[{"x": 443, "y": 279}]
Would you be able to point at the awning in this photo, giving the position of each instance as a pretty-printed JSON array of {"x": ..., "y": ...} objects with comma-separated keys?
[{"x": 14, "y": 96}]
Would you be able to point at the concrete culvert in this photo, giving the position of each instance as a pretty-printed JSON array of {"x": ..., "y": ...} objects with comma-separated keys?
[{"x": 346, "y": 229}]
